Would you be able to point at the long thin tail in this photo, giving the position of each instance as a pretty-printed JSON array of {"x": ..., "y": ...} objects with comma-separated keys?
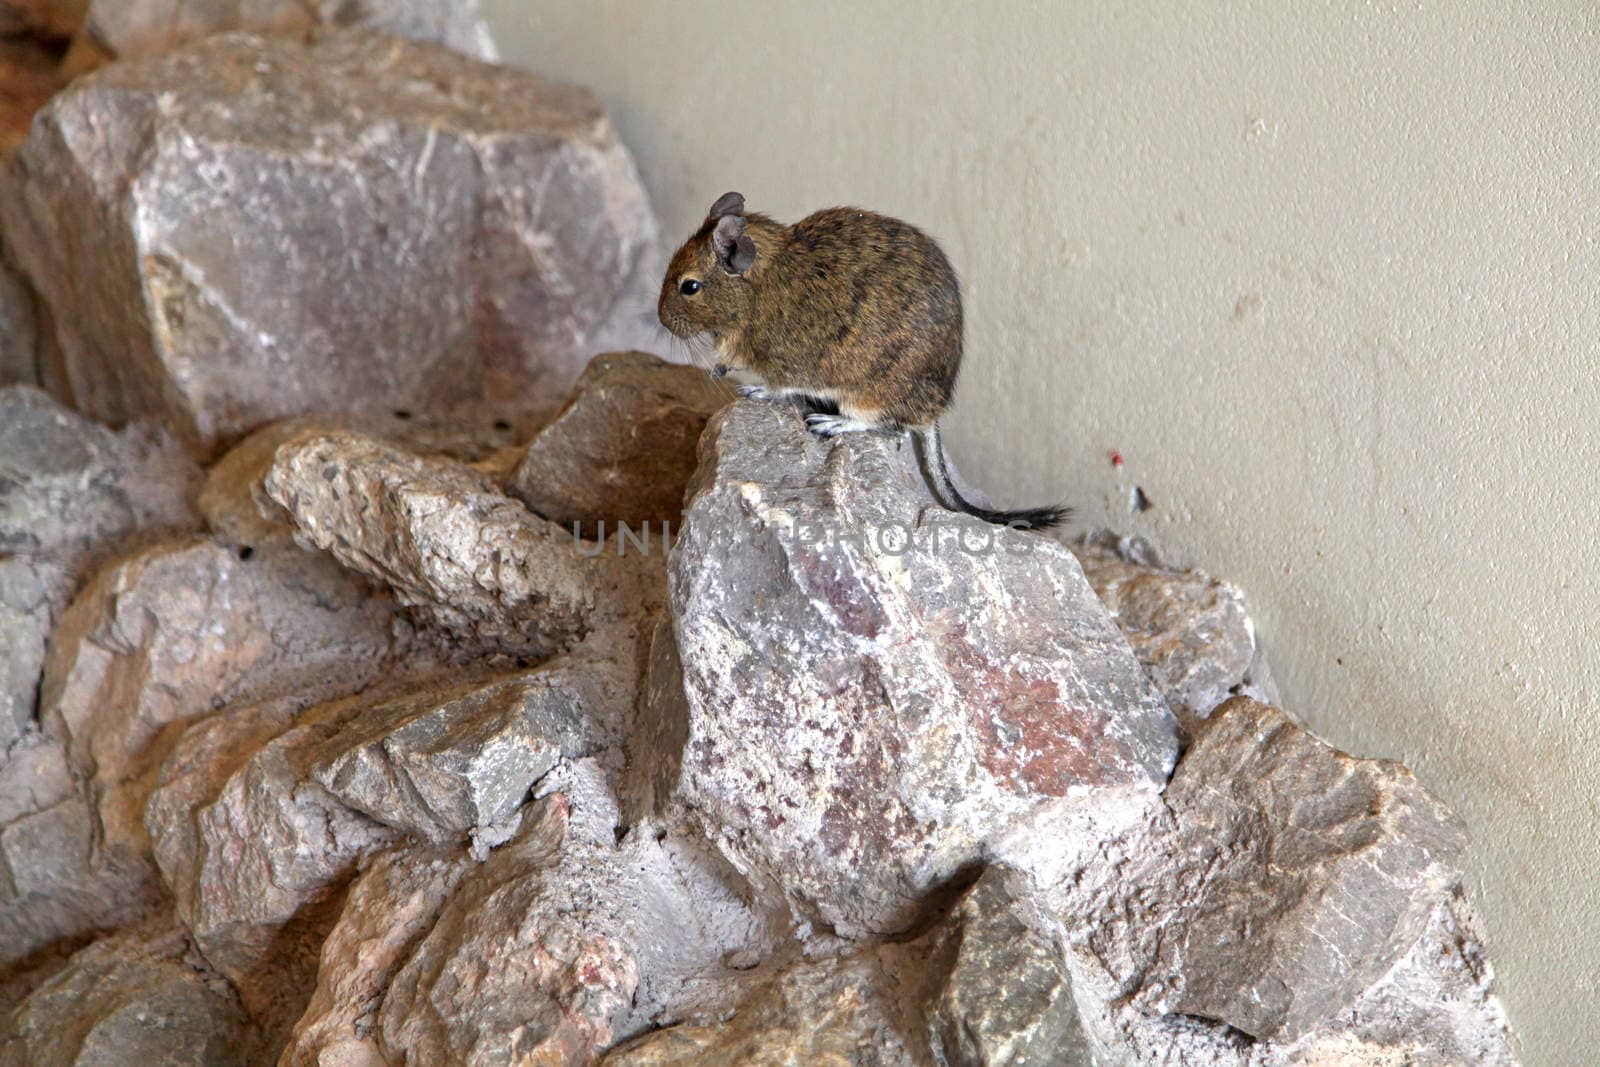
[{"x": 935, "y": 470}]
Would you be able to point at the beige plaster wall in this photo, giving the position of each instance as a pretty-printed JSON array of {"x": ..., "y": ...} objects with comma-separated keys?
[{"x": 1328, "y": 276}]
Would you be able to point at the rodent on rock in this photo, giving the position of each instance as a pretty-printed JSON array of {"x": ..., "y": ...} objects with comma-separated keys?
[{"x": 854, "y": 310}]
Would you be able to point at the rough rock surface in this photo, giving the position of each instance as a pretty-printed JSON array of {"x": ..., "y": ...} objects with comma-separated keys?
[
  {"x": 566, "y": 939},
  {"x": 166, "y": 635},
  {"x": 469, "y": 560},
  {"x": 138, "y": 997},
  {"x": 979, "y": 987},
  {"x": 1434, "y": 1009},
  {"x": 21, "y": 334},
  {"x": 33, "y": 593},
  {"x": 126, "y": 29},
  {"x": 388, "y": 910},
  {"x": 1189, "y": 630},
  {"x": 187, "y": 627},
  {"x": 834, "y": 1011},
  {"x": 54, "y": 884},
  {"x": 623, "y": 448},
  {"x": 1008, "y": 996},
  {"x": 867, "y": 717},
  {"x": 69, "y": 485},
  {"x": 252, "y": 228},
  {"x": 1290, "y": 879},
  {"x": 234, "y": 501}
]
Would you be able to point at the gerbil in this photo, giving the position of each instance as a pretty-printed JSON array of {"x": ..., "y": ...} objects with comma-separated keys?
[{"x": 856, "y": 310}]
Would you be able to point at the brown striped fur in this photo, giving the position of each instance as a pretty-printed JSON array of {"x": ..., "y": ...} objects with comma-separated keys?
[
  {"x": 846, "y": 306},
  {"x": 853, "y": 307}
]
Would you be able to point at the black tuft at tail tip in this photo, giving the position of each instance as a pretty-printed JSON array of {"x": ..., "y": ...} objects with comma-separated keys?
[
  {"x": 1041, "y": 518},
  {"x": 1025, "y": 518}
]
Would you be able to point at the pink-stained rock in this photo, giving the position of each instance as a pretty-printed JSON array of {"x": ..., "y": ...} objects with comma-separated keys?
[
  {"x": 390, "y": 907},
  {"x": 872, "y": 702}
]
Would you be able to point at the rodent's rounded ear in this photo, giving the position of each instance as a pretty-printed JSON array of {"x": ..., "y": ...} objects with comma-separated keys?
[
  {"x": 735, "y": 251},
  {"x": 727, "y": 204}
]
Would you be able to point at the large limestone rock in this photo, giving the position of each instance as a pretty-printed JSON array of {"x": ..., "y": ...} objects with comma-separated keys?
[
  {"x": 72, "y": 492},
  {"x": 467, "y": 559},
  {"x": 836, "y": 1011},
  {"x": 234, "y": 501},
  {"x": 1433, "y": 1009},
  {"x": 167, "y": 635},
  {"x": 264, "y": 813},
  {"x": 1289, "y": 880},
  {"x": 138, "y": 997},
  {"x": 69, "y": 485},
  {"x": 624, "y": 446},
  {"x": 253, "y": 228},
  {"x": 867, "y": 715},
  {"x": 187, "y": 627},
  {"x": 980, "y": 987},
  {"x": 126, "y": 29}
]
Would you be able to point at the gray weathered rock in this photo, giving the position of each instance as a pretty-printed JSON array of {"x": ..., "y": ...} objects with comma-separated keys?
[
  {"x": 498, "y": 978},
  {"x": 473, "y": 562},
  {"x": 186, "y": 627},
  {"x": 1433, "y": 1009},
  {"x": 33, "y": 592},
  {"x": 835, "y": 1011},
  {"x": 263, "y": 813},
  {"x": 253, "y": 228},
  {"x": 624, "y": 446},
  {"x": 163, "y": 636},
  {"x": 1290, "y": 879},
  {"x": 126, "y": 29},
  {"x": 442, "y": 762},
  {"x": 69, "y": 486},
  {"x": 568, "y": 938},
  {"x": 1189, "y": 630},
  {"x": 137, "y": 997},
  {"x": 254, "y": 857},
  {"x": 978, "y": 988},
  {"x": 21, "y": 334},
  {"x": 54, "y": 883},
  {"x": 864, "y": 718},
  {"x": 1008, "y": 996},
  {"x": 234, "y": 500}
]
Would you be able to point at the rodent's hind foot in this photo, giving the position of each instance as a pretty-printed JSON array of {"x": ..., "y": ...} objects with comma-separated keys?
[{"x": 824, "y": 425}]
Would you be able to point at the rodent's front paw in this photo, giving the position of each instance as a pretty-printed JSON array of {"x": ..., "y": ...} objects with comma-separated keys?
[{"x": 754, "y": 392}]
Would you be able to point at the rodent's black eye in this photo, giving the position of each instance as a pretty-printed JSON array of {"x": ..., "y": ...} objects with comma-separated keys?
[{"x": 688, "y": 287}]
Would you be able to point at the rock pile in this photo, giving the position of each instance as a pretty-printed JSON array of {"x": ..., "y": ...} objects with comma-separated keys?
[{"x": 388, "y": 688}]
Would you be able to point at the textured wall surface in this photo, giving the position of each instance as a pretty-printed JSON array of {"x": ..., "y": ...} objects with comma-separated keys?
[{"x": 1326, "y": 281}]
